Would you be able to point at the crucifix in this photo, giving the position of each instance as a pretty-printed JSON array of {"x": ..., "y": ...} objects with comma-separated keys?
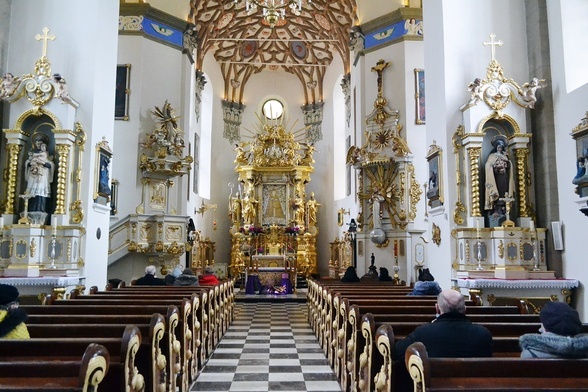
[
  {"x": 379, "y": 68},
  {"x": 493, "y": 44},
  {"x": 45, "y": 38},
  {"x": 508, "y": 200}
]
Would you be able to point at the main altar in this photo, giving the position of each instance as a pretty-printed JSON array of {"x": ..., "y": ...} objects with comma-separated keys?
[{"x": 273, "y": 218}]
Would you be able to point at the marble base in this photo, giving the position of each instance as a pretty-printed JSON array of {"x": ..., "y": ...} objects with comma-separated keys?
[{"x": 22, "y": 271}]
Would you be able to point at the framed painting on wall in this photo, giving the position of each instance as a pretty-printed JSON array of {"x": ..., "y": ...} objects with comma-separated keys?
[
  {"x": 121, "y": 95},
  {"x": 102, "y": 191},
  {"x": 419, "y": 79},
  {"x": 434, "y": 182}
]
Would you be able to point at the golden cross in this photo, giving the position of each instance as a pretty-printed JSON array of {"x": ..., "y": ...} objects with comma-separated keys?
[
  {"x": 45, "y": 38},
  {"x": 493, "y": 44}
]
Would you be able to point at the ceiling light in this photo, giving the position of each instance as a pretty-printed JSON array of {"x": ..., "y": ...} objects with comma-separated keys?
[{"x": 273, "y": 10}]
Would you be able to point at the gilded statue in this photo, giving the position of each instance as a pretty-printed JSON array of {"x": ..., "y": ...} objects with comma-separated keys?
[
  {"x": 249, "y": 208},
  {"x": 312, "y": 207}
]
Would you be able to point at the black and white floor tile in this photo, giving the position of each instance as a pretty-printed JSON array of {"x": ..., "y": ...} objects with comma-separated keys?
[{"x": 269, "y": 347}]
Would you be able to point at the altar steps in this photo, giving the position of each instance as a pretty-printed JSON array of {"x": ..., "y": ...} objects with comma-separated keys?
[{"x": 298, "y": 297}]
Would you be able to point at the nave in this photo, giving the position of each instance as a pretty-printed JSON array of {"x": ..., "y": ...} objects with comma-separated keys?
[{"x": 268, "y": 347}]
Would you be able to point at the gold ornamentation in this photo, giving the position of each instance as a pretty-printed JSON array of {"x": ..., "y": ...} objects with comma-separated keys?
[
  {"x": 415, "y": 193},
  {"x": 467, "y": 251},
  {"x": 436, "y": 235},
  {"x": 63, "y": 153},
  {"x": 457, "y": 213},
  {"x": 13, "y": 154},
  {"x": 173, "y": 232},
  {"x": 68, "y": 249},
  {"x": 501, "y": 249},
  {"x": 474, "y": 155},
  {"x": 76, "y": 206},
  {"x": 521, "y": 155},
  {"x": 33, "y": 248},
  {"x": 145, "y": 229},
  {"x": 21, "y": 249}
]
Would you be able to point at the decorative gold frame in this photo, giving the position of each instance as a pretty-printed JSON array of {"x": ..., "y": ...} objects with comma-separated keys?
[
  {"x": 419, "y": 96},
  {"x": 103, "y": 157},
  {"x": 435, "y": 179}
]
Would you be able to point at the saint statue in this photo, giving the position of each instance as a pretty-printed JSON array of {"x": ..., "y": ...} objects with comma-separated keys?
[
  {"x": 299, "y": 210},
  {"x": 377, "y": 199},
  {"x": 235, "y": 208},
  {"x": 312, "y": 209},
  {"x": 39, "y": 169},
  {"x": 249, "y": 206},
  {"x": 499, "y": 173}
]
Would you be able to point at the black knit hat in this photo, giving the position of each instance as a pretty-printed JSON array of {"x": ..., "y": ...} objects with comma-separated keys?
[
  {"x": 8, "y": 294},
  {"x": 560, "y": 318}
]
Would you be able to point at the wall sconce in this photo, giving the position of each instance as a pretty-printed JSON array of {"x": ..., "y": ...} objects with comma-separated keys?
[{"x": 205, "y": 207}]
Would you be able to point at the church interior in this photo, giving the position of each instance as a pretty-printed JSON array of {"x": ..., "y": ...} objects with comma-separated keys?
[
  {"x": 276, "y": 140},
  {"x": 296, "y": 138},
  {"x": 302, "y": 138}
]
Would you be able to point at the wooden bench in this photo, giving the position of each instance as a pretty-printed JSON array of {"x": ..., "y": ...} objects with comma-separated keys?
[
  {"x": 122, "y": 373},
  {"x": 170, "y": 345},
  {"x": 83, "y": 375},
  {"x": 494, "y": 374},
  {"x": 149, "y": 357},
  {"x": 179, "y": 333}
]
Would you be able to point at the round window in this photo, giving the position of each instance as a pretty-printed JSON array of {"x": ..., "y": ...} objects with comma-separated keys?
[{"x": 273, "y": 109}]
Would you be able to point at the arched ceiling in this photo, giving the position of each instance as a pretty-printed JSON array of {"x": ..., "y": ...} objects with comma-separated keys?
[{"x": 244, "y": 44}]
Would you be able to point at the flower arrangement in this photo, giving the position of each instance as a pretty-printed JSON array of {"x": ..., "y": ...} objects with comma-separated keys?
[
  {"x": 251, "y": 230},
  {"x": 292, "y": 230}
]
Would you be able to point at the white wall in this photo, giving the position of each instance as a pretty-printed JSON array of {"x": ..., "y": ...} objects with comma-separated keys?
[{"x": 569, "y": 108}]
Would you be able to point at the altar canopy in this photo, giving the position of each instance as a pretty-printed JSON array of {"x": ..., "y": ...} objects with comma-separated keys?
[{"x": 272, "y": 216}]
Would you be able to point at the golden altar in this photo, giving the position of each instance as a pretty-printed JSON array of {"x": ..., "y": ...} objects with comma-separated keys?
[{"x": 273, "y": 218}]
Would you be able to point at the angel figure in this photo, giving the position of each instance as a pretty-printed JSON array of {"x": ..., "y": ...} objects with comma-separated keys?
[
  {"x": 530, "y": 89},
  {"x": 8, "y": 85},
  {"x": 61, "y": 92},
  {"x": 475, "y": 89}
]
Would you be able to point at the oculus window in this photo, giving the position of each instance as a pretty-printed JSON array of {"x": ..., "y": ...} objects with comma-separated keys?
[{"x": 273, "y": 109}]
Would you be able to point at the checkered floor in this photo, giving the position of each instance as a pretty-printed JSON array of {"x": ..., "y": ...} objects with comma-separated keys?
[{"x": 269, "y": 347}]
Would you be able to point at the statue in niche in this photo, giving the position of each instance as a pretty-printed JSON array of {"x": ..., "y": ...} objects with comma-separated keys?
[
  {"x": 39, "y": 170},
  {"x": 581, "y": 164},
  {"x": 298, "y": 205},
  {"x": 499, "y": 173},
  {"x": 274, "y": 207},
  {"x": 377, "y": 199}
]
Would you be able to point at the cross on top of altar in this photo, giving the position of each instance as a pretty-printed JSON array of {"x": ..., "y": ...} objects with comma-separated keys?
[
  {"x": 493, "y": 44},
  {"x": 379, "y": 68},
  {"x": 45, "y": 37}
]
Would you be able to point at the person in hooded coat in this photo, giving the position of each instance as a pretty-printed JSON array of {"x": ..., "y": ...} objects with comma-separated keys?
[
  {"x": 560, "y": 334},
  {"x": 208, "y": 277},
  {"x": 350, "y": 275},
  {"x": 187, "y": 278},
  {"x": 426, "y": 284},
  {"x": 12, "y": 318},
  {"x": 384, "y": 275}
]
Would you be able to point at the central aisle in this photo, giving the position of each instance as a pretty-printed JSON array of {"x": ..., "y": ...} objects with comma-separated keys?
[{"x": 269, "y": 347}]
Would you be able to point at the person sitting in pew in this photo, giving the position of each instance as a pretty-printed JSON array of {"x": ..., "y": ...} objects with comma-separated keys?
[
  {"x": 350, "y": 275},
  {"x": 171, "y": 277},
  {"x": 208, "y": 277},
  {"x": 150, "y": 279},
  {"x": 12, "y": 318},
  {"x": 558, "y": 337},
  {"x": 451, "y": 334},
  {"x": 384, "y": 275},
  {"x": 426, "y": 284},
  {"x": 187, "y": 278}
]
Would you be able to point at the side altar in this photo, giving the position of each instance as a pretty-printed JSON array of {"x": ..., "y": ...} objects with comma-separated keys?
[{"x": 274, "y": 220}]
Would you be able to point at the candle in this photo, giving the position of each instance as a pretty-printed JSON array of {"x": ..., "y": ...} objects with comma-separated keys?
[
  {"x": 395, "y": 248},
  {"x": 54, "y": 222},
  {"x": 532, "y": 226},
  {"x": 478, "y": 228},
  {"x": 1, "y": 222}
]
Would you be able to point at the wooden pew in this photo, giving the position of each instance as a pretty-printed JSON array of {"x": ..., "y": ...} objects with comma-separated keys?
[
  {"x": 83, "y": 375},
  {"x": 125, "y": 313},
  {"x": 494, "y": 374},
  {"x": 122, "y": 373},
  {"x": 149, "y": 359},
  {"x": 179, "y": 340}
]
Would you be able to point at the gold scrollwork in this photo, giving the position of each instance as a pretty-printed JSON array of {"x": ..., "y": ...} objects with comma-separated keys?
[
  {"x": 33, "y": 247},
  {"x": 436, "y": 234},
  {"x": 501, "y": 249},
  {"x": 521, "y": 155},
  {"x": 415, "y": 193},
  {"x": 474, "y": 155},
  {"x": 460, "y": 209}
]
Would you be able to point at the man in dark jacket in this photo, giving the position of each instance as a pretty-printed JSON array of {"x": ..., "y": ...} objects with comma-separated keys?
[
  {"x": 451, "y": 334},
  {"x": 149, "y": 279}
]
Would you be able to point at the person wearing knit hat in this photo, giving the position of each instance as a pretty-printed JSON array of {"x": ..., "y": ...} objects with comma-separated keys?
[
  {"x": 559, "y": 337},
  {"x": 12, "y": 318}
]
